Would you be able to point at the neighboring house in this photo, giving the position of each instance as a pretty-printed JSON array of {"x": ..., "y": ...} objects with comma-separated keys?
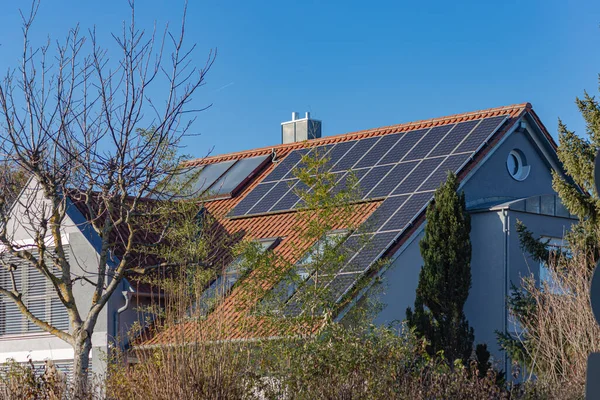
[
  {"x": 21, "y": 340},
  {"x": 504, "y": 158}
]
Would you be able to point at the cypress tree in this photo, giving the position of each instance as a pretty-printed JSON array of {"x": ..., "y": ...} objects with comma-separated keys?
[{"x": 445, "y": 279}]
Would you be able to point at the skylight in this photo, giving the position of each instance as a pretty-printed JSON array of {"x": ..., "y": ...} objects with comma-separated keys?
[
  {"x": 222, "y": 285},
  {"x": 302, "y": 270},
  {"x": 240, "y": 172},
  {"x": 218, "y": 180}
]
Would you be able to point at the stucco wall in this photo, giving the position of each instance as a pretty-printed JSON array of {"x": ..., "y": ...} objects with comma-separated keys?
[
  {"x": 485, "y": 306},
  {"x": 400, "y": 283},
  {"x": 492, "y": 180},
  {"x": 79, "y": 238}
]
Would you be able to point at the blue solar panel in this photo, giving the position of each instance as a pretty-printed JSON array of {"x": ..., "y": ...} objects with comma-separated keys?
[
  {"x": 337, "y": 179},
  {"x": 452, "y": 163},
  {"x": 197, "y": 180},
  {"x": 418, "y": 175},
  {"x": 385, "y": 179},
  {"x": 480, "y": 134},
  {"x": 402, "y": 147},
  {"x": 353, "y": 244},
  {"x": 271, "y": 198},
  {"x": 433, "y": 137},
  {"x": 251, "y": 199},
  {"x": 372, "y": 178},
  {"x": 383, "y": 212},
  {"x": 342, "y": 183},
  {"x": 352, "y": 156},
  {"x": 285, "y": 166},
  {"x": 337, "y": 286},
  {"x": 456, "y": 135},
  {"x": 314, "y": 153},
  {"x": 299, "y": 164},
  {"x": 340, "y": 285},
  {"x": 288, "y": 200},
  {"x": 389, "y": 183},
  {"x": 323, "y": 151},
  {"x": 369, "y": 253},
  {"x": 339, "y": 150},
  {"x": 408, "y": 211},
  {"x": 351, "y": 247},
  {"x": 377, "y": 151}
]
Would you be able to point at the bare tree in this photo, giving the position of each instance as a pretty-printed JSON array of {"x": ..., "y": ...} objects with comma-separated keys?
[{"x": 100, "y": 133}]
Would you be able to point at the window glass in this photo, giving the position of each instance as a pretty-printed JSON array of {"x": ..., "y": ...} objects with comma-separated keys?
[
  {"x": 196, "y": 180},
  {"x": 230, "y": 181},
  {"x": 303, "y": 270},
  {"x": 557, "y": 247},
  {"x": 209, "y": 175},
  {"x": 220, "y": 287}
]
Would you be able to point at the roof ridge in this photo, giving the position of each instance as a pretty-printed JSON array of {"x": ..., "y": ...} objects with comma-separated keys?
[{"x": 349, "y": 135}]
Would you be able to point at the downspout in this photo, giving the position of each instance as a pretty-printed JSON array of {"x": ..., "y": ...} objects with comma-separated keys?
[
  {"x": 126, "y": 295},
  {"x": 506, "y": 228}
]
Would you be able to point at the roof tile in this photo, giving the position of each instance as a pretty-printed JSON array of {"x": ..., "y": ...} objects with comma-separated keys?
[{"x": 232, "y": 316}]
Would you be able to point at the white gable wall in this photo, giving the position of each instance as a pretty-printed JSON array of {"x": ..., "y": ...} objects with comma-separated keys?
[{"x": 80, "y": 239}]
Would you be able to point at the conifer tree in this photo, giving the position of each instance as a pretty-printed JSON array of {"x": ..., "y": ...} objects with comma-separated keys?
[
  {"x": 576, "y": 191},
  {"x": 445, "y": 279}
]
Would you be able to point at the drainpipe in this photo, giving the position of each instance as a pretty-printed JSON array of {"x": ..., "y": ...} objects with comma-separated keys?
[
  {"x": 506, "y": 228},
  {"x": 126, "y": 295}
]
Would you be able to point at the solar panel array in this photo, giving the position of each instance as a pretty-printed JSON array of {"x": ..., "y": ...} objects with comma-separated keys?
[
  {"x": 402, "y": 168},
  {"x": 222, "y": 179}
]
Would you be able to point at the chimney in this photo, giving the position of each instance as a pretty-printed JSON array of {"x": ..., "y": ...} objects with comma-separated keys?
[{"x": 300, "y": 129}]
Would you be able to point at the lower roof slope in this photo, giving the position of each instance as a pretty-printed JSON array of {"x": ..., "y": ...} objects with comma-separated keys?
[{"x": 399, "y": 168}]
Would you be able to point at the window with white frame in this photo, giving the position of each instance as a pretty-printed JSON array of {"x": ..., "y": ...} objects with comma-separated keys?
[
  {"x": 38, "y": 295},
  {"x": 516, "y": 164},
  {"x": 557, "y": 248}
]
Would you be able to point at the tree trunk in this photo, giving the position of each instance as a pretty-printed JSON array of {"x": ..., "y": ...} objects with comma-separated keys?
[{"x": 81, "y": 365}]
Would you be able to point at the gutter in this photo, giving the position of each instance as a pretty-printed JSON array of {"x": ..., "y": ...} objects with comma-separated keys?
[
  {"x": 212, "y": 342},
  {"x": 149, "y": 295}
]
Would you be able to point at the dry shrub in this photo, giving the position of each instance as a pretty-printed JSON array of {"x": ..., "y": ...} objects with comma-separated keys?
[
  {"x": 182, "y": 372},
  {"x": 340, "y": 363},
  {"x": 194, "y": 365},
  {"x": 560, "y": 331},
  {"x": 28, "y": 381}
]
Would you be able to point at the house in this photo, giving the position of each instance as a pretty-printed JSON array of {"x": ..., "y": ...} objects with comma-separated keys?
[{"x": 504, "y": 158}]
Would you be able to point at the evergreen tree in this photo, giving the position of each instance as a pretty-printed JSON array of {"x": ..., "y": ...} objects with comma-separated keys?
[
  {"x": 576, "y": 191},
  {"x": 445, "y": 279}
]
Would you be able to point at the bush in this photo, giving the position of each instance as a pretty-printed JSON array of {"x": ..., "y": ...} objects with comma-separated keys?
[
  {"x": 26, "y": 381},
  {"x": 339, "y": 363}
]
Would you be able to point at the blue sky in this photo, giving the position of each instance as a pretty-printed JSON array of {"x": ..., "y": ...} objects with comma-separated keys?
[{"x": 356, "y": 65}]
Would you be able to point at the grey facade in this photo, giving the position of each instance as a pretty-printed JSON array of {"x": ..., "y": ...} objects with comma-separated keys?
[
  {"x": 24, "y": 341},
  {"x": 496, "y": 202}
]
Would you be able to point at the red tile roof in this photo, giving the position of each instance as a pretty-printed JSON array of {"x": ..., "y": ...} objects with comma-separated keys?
[{"x": 232, "y": 316}]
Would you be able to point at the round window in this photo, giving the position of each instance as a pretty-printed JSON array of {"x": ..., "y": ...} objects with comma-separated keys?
[{"x": 516, "y": 163}]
